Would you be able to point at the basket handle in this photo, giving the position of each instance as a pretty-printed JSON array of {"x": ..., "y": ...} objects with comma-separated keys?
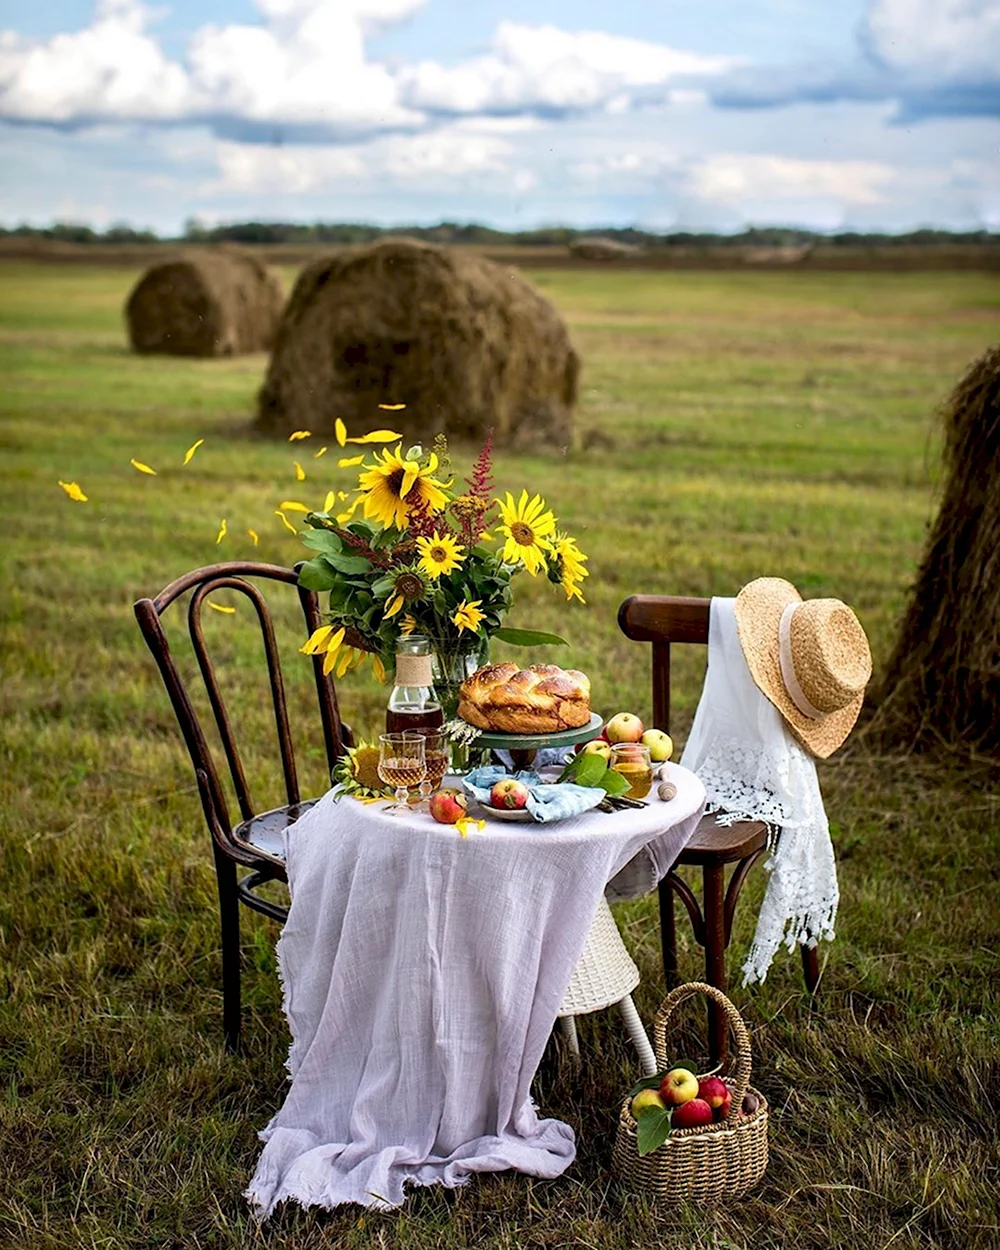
[{"x": 741, "y": 1074}]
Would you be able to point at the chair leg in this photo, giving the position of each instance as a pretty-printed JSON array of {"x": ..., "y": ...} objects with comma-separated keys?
[
  {"x": 715, "y": 957},
  {"x": 810, "y": 967},
  {"x": 668, "y": 933},
  {"x": 568, "y": 1026},
  {"x": 229, "y": 919},
  {"x": 639, "y": 1036}
]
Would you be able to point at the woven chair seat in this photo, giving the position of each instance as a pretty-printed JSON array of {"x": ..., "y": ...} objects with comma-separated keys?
[{"x": 604, "y": 973}]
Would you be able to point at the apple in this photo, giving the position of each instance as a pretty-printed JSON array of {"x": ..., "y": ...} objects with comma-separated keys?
[
  {"x": 661, "y": 745},
  {"x": 448, "y": 806},
  {"x": 691, "y": 1114},
  {"x": 645, "y": 1100},
  {"x": 624, "y": 728},
  {"x": 717, "y": 1094},
  {"x": 508, "y": 792},
  {"x": 597, "y": 746},
  {"x": 678, "y": 1086}
]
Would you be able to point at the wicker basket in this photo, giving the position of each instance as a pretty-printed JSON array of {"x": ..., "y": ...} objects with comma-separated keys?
[{"x": 713, "y": 1161}]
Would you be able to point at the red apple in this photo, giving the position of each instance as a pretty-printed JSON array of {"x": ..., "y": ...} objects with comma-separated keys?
[
  {"x": 661, "y": 745},
  {"x": 447, "y": 806},
  {"x": 624, "y": 728},
  {"x": 678, "y": 1086},
  {"x": 509, "y": 793},
  {"x": 717, "y": 1094},
  {"x": 646, "y": 1099},
  {"x": 691, "y": 1114}
]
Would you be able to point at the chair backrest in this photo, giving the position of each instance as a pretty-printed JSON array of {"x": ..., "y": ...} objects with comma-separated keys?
[
  {"x": 202, "y": 582},
  {"x": 663, "y": 620}
]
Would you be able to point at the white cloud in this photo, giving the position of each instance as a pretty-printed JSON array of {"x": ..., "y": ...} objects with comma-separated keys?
[
  {"x": 931, "y": 40},
  {"x": 543, "y": 69},
  {"x": 739, "y": 179}
]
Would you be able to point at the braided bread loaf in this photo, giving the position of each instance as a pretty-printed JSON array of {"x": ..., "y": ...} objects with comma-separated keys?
[{"x": 540, "y": 699}]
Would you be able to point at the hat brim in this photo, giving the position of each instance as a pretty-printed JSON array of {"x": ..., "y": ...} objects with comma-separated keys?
[{"x": 758, "y": 610}]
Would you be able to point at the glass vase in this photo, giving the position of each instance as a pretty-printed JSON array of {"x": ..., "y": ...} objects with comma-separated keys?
[{"x": 452, "y": 665}]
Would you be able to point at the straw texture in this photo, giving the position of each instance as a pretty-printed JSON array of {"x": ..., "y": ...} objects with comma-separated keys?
[
  {"x": 706, "y": 1164},
  {"x": 605, "y": 973}
]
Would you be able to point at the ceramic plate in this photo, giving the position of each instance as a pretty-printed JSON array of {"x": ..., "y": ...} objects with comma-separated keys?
[{"x": 505, "y": 813}]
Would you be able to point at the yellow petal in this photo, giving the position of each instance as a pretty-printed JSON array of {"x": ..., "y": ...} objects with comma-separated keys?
[
  {"x": 341, "y": 495},
  {"x": 296, "y": 436},
  {"x": 300, "y": 473},
  {"x": 286, "y": 523},
  {"x": 255, "y": 536},
  {"x": 377, "y": 436},
  {"x": 330, "y": 500},
  {"x": 322, "y": 452},
  {"x": 315, "y": 639},
  {"x": 346, "y": 656},
  {"x": 378, "y": 668},
  {"x": 409, "y": 477},
  {"x": 392, "y": 407},
  {"x": 222, "y": 531},
  {"x": 293, "y": 505},
  {"x": 348, "y": 462},
  {"x": 329, "y": 662},
  {"x": 340, "y": 432},
  {"x": 190, "y": 451},
  {"x": 467, "y": 823},
  {"x": 143, "y": 468},
  {"x": 73, "y": 490},
  {"x": 218, "y": 607},
  {"x": 394, "y": 607}
]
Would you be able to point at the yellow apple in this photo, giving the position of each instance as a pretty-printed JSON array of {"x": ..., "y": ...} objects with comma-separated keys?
[{"x": 661, "y": 745}]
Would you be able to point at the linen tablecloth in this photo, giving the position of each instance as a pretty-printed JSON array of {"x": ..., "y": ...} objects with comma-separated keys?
[{"x": 422, "y": 974}]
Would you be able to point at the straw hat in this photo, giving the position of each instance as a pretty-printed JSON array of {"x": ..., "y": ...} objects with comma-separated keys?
[{"x": 810, "y": 658}]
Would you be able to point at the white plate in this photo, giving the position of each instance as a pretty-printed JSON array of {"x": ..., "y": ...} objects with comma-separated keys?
[{"x": 505, "y": 813}]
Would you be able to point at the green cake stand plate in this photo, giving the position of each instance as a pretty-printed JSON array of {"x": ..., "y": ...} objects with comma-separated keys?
[{"x": 522, "y": 747}]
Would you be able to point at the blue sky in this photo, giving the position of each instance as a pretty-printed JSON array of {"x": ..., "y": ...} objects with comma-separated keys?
[{"x": 703, "y": 114}]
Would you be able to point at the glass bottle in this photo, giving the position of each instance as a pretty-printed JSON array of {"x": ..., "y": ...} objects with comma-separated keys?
[{"x": 413, "y": 703}]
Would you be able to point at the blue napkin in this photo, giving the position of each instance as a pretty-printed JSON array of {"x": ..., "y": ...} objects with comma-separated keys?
[{"x": 546, "y": 803}]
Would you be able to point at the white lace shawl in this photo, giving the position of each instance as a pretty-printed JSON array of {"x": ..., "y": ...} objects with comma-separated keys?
[{"x": 753, "y": 769}]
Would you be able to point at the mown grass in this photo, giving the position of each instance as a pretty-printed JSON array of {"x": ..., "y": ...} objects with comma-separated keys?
[{"x": 732, "y": 425}]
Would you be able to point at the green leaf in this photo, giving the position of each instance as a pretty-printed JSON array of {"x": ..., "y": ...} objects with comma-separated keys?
[
  {"x": 316, "y": 574},
  {"x": 346, "y": 563},
  {"x": 653, "y": 1129},
  {"x": 613, "y": 783},
  {"x": 687, "y": 1065},
  {"x": 529, "y": 638},
  {"x": 321, "y": 540},
  {"x": 647, "y": 1082},
  {"x": 589, "y": 771}
]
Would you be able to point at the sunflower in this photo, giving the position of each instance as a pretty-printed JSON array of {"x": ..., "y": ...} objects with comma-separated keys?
[
  {"x": 527, "y": 526},
  {"x": 439, "y": 554},
  {"x": 356, "y": 772},
  {"x": 408, "y": 586},
  {"x": 407, "y": 625},
  {"x": 468, "y": 615},
  {"x": 325, "y": 641},
  {"x": 566, "y": 565},
  {"x": 392, "y": 486}
]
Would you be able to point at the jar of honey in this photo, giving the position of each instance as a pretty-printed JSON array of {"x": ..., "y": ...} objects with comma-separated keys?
[{"x": 631, "y": 759}]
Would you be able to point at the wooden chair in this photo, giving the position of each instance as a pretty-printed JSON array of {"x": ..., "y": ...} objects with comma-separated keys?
[
  {"x": 255, "y": 842},
  {"x": 664, "y": 620}
]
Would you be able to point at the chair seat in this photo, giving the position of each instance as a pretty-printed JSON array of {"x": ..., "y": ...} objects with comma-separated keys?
[
  {"x": 723, "y": 844},
  {"x": 604, "y": 973},
  {"x": 266, "y": 832}
]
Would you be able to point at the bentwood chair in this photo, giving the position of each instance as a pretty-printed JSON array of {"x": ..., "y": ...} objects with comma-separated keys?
[
  {"x": 249, "y": 853},
  {"x": 664, "y": 620}
]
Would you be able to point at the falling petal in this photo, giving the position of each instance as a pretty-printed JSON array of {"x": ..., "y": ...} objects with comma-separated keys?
[
  {"x": 255, "y": 536},
  {"x": 340, "y": 432},
  {"x": 293, "y": 505},
  {"x": 297, "y": 435},
  {"x": 348, "y": 462},
  {"x": 378, "y": 668},
  {"x": 143, "y": 468},
  {"x": 300, "y": 473},
  {"x": 377, "y": 436},
  {"x": 392, "y": 407},
  {"x": 322, "y": 452},
  {"x": 286, "y": 523},
  {"x": 218, "y": 607},
  {"x": 73, "y": 490},
  {"x": 191, "y": 450},
  {"x": 330, "y": 500},
  {"x": 341, "y": 495},
  {"x": 222, "y": 532}
]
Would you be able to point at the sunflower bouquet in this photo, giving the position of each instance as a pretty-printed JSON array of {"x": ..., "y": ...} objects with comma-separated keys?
[{"x": 414, "y": 550}]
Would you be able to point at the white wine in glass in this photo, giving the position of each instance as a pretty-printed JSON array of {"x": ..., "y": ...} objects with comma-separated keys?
[{"x": 402, "y": 765}]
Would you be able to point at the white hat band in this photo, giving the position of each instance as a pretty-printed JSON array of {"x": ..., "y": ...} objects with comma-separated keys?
[{"x": 788, "y": 668}]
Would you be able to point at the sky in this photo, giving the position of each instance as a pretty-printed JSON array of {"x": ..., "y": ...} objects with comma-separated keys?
[{"x": 661, "y": 114}]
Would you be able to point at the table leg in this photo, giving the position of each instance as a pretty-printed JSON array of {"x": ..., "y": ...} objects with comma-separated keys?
[
  {"x": 639, "y": 1036},
  {"x": 568, "y": 1026},
  {"x": 715, "y": 958}
]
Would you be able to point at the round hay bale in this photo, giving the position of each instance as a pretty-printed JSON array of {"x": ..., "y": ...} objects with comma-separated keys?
[
  {"x": 219, "y": 303},
  {"x": 464, "y": 343},
  {"x": 941, "y": 687},
  {"x": 601, "y": 249}
]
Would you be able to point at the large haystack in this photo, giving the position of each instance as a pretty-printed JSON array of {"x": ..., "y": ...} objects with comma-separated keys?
[
  {"x": 942, "y": 685},
  {"x": 465, "y": 344},
  {"x": 220, "y": 303},
  {"x": 602, "y": 249}
]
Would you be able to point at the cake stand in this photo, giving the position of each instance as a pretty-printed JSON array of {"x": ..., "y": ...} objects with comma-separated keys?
[{"x": 522, "y": 747}]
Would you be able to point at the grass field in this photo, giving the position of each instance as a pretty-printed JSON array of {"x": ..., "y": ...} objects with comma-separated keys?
[{"x": 732, "y": 425}]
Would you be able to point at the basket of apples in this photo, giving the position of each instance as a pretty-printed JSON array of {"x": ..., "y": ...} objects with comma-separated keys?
[{"x": 686, "y": 1137}]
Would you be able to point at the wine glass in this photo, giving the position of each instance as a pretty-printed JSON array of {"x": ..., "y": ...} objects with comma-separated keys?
[
  {"x": 435, "y": 760},
  {"x": 401, "y": 764}
]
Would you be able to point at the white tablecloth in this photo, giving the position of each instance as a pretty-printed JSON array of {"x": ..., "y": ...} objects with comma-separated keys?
[{"x": 422, "y": 973}]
